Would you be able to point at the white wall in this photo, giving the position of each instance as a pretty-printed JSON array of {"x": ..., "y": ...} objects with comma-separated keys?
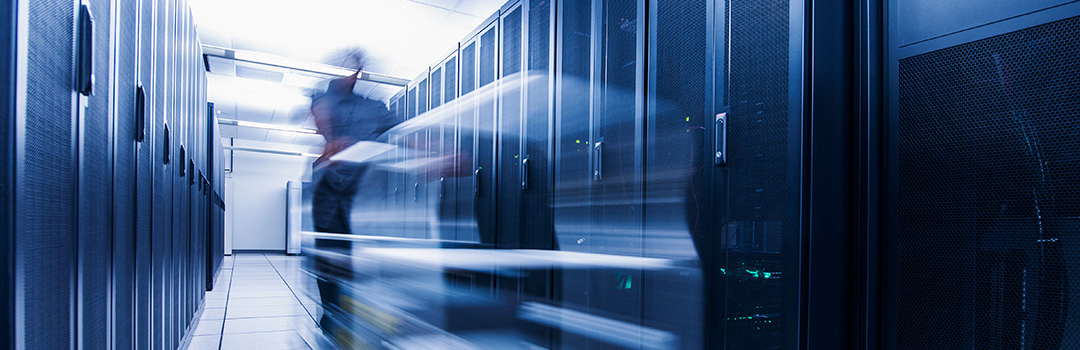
[{"x": 257, "y": 204}]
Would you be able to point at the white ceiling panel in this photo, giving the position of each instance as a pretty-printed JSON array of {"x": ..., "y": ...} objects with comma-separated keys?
[
  {"x": 247, "y": 133},
  {"x": 445, "y": 4},
  {"x": 479, "y": 8},
  {"x": 280, "y": 136},
  {"x": 227, "y": 131},
  {"x": 309, "y": 140},
  {"x": 254, "y": 114}
]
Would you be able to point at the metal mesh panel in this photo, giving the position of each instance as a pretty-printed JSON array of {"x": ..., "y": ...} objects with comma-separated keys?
[
  {"x": 753, "y": 193},
  {"x": 988, "y": 194},
  {"x": 144, "y": 185},
  {"x": 676, "y": 191},
  {"x": 95, "y": 172},
  {"x": 436, "y": 87},
  {"x": 123, "y": 179},
  {"x": 422, "y": 97},
  {"x": 410, "y": 110},
  {"x": 536, "y": 218},
  {"x": 468, "y": 68},
  {"x": 162, "y": 190},
  {"x": 511, "y": 45},
  {"x": 450, "y": 83},
  {"x": 47, "y": 238},
  {"x": 508, "y": 211},
  {"x": 485, "y": 136}
]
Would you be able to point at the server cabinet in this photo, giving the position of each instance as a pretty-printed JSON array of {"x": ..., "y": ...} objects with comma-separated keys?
[
  {"x": 144, "y": 227},
  {"x": 599, "y": 148},
  {"x": 95, "y": 186},
  {"x": 430, "y": 147},
  {"x": 535, "y": 165},
  {"x": 485, "y": 130},
  {"x": 9, "y": 20},
  {"x": 45, "y": 233},
  {"x": 162, "y": 178},
  {"x": 981, "y": 175},
  {"x": 395, "y": 202},
  {"x": 466, "y": 123},
  {"x": 129, "y": 107},
  {"x": 446, "y": 181},
  {"x": 510, "y": 88}
]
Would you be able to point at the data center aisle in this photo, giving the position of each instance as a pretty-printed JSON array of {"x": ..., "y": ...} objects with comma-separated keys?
[{"x": 258, "y": 303}]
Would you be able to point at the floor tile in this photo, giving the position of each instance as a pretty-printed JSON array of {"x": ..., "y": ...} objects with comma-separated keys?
[
  {"x": 265, "y": 311},
  {"x": 256, "y": 302},
  {"x": 264, "y": 341},
  {"x": 268, "y": 324},
  {"x": 207, "y": 327},
  {"x": 213, "y": 313},
  {"x": 204, "y": 342}
]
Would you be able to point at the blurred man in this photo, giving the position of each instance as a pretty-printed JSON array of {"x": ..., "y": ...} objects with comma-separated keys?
[{"x": 343, "y": 118}]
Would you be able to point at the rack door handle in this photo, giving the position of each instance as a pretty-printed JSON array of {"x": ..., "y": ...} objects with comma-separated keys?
[
  {"x": 416, "y": 192},
  {"x": 395, "y": 195},
  {"x": 85, "y": 64},
  {"x": 720, "y": 142},
  {"x": 525, "y": 174},
  {"x": 140, "y": 113},
  {"x": 476, "y": 183},
  {"x": 442, "y": 187},
  {"x": 598, "y": 154}
]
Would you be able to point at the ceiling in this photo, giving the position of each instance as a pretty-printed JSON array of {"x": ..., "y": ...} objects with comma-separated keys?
[{"x": 402, "y": 37}]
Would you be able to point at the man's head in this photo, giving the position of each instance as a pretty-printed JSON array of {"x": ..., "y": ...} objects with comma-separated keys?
[{"x": 354, "y": 58}]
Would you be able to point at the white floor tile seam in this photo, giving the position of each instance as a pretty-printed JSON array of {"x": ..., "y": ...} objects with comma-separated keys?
[
  {"x": 294, "y": 292},
  {"x": 253, "y": 281}
]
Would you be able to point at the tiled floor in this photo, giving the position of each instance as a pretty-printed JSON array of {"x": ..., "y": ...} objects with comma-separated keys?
[{"x": 259, "y": 302}]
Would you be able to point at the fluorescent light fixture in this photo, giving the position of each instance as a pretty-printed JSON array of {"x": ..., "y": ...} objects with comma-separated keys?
[
  {"x": 266, "y": 126},
  {"x": 303, "y": 66},
  {"x": 271, "y": 151}
]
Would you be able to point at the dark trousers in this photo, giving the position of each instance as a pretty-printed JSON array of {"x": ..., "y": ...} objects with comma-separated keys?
[{"x": 331, "y": 207}]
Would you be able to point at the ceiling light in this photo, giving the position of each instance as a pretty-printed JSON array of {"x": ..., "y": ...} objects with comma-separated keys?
[{"x": 267, "y": 126}]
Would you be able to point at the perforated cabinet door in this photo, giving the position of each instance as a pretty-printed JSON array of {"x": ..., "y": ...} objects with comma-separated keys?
[
  {"x": 986, "y": 185},
  {"x": 46, "y": 233},
  {"x": 95, "y": 190},
  {"x": 144, "y": 193},
  {"x": 508, "y": 137},
  {"x": 124, "y": 182}
]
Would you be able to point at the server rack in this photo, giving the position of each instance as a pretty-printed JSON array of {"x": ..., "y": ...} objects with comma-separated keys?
[
  {"x": 599, "y": 149},
  {"x": 45, "y": 148},
  {"x": 9, "y": 20},
  {"x": 466, "y": 123},
  {"x": 484, "y": 137},
  {"x": 95, "y": 187},
  {"x": 978, "y": 174},
  {"x": 96, "y": 268},
  {"x": 446, "y": 135},
  {"x": 536, "y": 153},
  {"x": 126, "y": 135},
  {"x": 508, "y": 129},
  {"x": 144, "y": 228}
]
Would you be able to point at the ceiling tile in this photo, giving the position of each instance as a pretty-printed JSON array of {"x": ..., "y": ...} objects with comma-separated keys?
[
  {"x": 280, "y": 136},
  {"x": 252, "y": 114},
  {"x": 247, "y": 133},
  {"x": 479, "y": 8},
  {"x": 249, "y": 71},
  {"x": 309, "y": 140},
  {"x": 227, "y": 131},
  {"x": 445, "y": 4}
]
